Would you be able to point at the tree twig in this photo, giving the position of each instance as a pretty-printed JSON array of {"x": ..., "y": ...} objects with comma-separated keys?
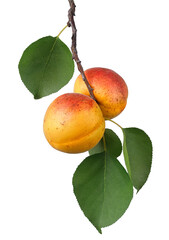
[{"x": 71, "y": 23}]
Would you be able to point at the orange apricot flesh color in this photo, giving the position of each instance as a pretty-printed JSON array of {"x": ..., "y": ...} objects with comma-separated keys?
[
  {"x": 73, "y": 123},
  {"x": 110, "y": 90}
]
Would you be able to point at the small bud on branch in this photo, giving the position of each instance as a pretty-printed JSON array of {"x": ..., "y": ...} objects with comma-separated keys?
[{"x": 71, "y": 23}]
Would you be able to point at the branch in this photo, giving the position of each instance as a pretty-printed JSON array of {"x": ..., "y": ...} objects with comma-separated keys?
[{"x": 71, "y": 23}]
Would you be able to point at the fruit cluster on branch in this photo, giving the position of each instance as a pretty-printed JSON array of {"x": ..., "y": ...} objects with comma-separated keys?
[{"x": 75, "y": 123}]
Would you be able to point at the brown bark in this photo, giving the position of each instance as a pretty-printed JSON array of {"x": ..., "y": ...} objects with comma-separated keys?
[{"x": 71, "y": 23}]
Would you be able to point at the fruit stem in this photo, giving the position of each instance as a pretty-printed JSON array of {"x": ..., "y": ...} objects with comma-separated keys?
[
  {"x": 71, "y": 23},
  {"x": 62, "y": 31},
  {"x": 116, "y": 124}
]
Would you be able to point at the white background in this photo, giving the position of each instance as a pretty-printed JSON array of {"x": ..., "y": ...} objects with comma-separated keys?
[{"x": 36, "y": 194}]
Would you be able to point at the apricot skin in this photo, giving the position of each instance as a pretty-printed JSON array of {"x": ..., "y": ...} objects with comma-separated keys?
[
  {"x": 73, "y": 123},
  {"x": 110, "y": 90}
]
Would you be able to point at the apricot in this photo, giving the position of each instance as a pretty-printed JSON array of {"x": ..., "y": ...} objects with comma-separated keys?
[
  {"x": 110, "y": 90},
  {"x": 73, "y": 123}
]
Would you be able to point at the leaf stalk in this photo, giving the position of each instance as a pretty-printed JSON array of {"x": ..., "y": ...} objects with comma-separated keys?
[
  {"x": 62, "y": 31},
  {"x": 116, "y": 124}
]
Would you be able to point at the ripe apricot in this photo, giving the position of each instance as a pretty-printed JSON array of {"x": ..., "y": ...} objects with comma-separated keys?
[
  {"x": 110, "y": 90},
  {"x": 73, "y": 123}
]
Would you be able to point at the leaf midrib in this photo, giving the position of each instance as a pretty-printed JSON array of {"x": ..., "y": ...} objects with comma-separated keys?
[
  {"x": 104, "y": 187},
  {"x": 47, "y": 62},
  {"x": 127, "y": 155},
  {"x": 49, "y": 56}
]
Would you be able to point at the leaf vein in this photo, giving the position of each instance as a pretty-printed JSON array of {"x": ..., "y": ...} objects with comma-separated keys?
[{"x": 49, "y": 57}]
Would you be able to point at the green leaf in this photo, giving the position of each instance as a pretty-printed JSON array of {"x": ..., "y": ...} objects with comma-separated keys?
[
  {"x": 103, "y": 189},
  {"x": 113, "y": 144},
  {"x": 46, "y": 66},
  {"x": 137, "y": 149}
]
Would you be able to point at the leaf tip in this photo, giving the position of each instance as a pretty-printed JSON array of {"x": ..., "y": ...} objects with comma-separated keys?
[
  {"x": 99, "y": 230},
  {"x": 36, "y": 96}
]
